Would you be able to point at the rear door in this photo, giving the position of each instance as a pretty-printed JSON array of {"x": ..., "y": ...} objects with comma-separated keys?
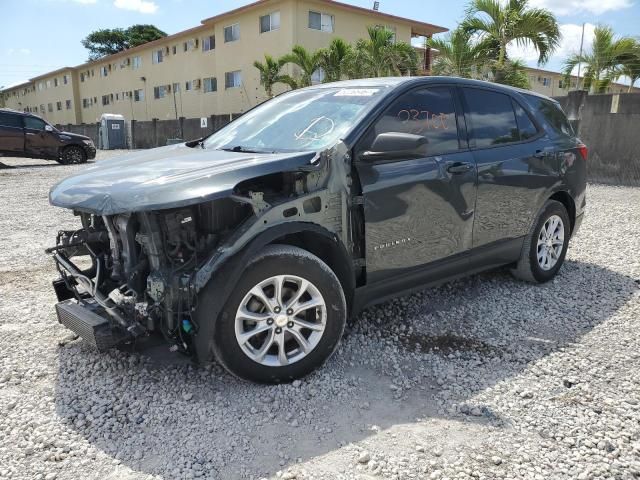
[
  {"x": 516, "y": 164},
  {"x": 11, "y": 133},
  {"x": 418, "y": 210},
  {"x": 38, "y": 141}
]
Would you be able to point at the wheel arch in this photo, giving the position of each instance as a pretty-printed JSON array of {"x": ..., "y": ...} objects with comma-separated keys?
[{"x": 566, "y": 199}]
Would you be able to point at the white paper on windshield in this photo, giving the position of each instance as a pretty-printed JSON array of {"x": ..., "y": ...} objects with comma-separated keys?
[{"x": 356, "y": 92}]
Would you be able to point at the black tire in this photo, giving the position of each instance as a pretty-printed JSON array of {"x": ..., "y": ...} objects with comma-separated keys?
[
  {"x": 72, "y": 154},
  {"x": 279, "y": 260},
  {"x": 528, "y": 267}
]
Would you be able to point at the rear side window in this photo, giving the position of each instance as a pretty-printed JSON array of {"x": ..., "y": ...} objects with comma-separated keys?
[
  {"x": 10, "y": 120},
  {"x": 429, "y": 112},
  {"x": 525, "y": 125},
  {"x": 554, "y": 115},
  {"x": 493, "y": 121}
]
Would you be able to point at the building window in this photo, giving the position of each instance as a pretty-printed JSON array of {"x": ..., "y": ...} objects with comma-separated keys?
[
  {"x": 136, "y": 62},
  {"x": 50, "y": 107},
  {"x": 138, "y": 95},
  {"x": 188, "y": 85},
  {"x": 105, "y": 100},
  {"x": 270, "y": 22},
  {"x": 58, "y": 106},
  {"x": 156, "y": 57},
  {"x": 48, "y": 83},
  {"x": 208, "y": 43},
  {"x": 55, "y": 82},
  {"x": 210, "y": 84},
  {"x": 160, "y": 92},
  {"x": 82, "y": 77},
  {"x": 65, "y": 79},
  {"x": 232, "y": 79},
  {"x": 176, "y": 87},
  {"x": 174, "y": 49},
  {"x": 321, "y": 21},
  {"x": 103, "y": 71},
  {"x": 232, "y": 33},
  {"x": 68, "y": 104},
  {"x": 546, "y": 81},
  {"x": 85, "y": 103}
]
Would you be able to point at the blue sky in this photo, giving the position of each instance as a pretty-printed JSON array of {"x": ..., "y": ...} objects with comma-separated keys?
[{"x": 41, "y": 35}]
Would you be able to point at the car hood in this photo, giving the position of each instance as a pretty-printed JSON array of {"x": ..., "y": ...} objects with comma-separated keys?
[
  {"x": 74, "y": 136},
  {"x": 167, "y": 177}
]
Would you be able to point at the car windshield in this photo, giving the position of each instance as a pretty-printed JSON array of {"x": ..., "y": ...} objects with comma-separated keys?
[{"x": 304, "y": 120}]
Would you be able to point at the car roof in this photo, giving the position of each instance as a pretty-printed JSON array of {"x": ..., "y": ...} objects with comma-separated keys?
[
  {"x": 17, "y": 112},
  {"x": 395, "y": 82}
]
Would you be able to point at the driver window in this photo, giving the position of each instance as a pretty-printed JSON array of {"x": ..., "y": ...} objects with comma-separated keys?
[
  {"x": 34, "y": 123},
  {"x": 429, "y": 112}
]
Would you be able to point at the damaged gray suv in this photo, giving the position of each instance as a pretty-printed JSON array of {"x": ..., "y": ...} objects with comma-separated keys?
[{"x": 253, "y": 246}]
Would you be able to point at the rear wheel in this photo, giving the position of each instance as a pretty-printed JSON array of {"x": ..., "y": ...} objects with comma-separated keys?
[
  {"x": 546, "y": 245},
  {"x": 284, "y": 319},
  {"x": 72, "y": 154}
]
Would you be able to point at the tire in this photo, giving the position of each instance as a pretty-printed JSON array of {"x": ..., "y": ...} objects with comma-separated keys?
[
  {"x": 534, "y": 266},
  {"x": 247, "y": 356},
  {"x": 72, "y": 154}
]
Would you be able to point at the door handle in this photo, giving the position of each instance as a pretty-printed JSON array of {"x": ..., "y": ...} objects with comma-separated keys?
[
  {"x": 459, "y": 167},
  {"x": 29, "y": 133}
]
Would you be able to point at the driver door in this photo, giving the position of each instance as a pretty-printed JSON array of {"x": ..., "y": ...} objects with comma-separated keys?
[
  {"x": 38, "y": 140},
  {"x": 418, "y": 207}
]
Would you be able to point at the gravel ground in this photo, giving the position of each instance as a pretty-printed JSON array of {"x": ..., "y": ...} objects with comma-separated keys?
[{"x": 486, "y": 377}]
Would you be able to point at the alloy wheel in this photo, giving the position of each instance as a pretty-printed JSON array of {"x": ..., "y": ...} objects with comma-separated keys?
[
  {"x": 550, "y": 242},
  {"x": 280, "y": 320}
]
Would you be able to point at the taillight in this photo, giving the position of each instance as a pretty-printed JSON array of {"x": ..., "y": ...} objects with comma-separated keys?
[{"x": 582, "y": 148}]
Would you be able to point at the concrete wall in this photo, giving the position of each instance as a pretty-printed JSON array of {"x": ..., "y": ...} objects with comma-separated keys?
[{"x": 608, "y": 125}]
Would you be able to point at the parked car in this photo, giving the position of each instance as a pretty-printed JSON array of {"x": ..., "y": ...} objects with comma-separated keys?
[
  {"x": 255, "y": 244},
  {"x": 27, "y": 135}
]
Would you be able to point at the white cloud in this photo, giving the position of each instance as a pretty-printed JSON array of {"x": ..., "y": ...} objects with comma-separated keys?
[
  {"x": 571, "y": 7},
  {"x": 569, "y": 44},
  {"x": 142, "y": 6}
]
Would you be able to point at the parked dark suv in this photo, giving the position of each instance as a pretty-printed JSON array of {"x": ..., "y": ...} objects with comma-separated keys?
[
  {"x": 27, "y": 135},
  {"x": 254, "y": 245}
]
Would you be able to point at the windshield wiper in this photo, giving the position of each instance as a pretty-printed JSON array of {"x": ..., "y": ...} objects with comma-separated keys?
[{"x": 239, "y": 148}]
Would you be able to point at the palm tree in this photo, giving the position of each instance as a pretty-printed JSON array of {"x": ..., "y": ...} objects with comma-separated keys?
[
  {"x": 631, "y": 65},
  {"x": 513, "y": 73},
  {"x": 604, "y": 61},
  {"x": 500, "y": 24},
  {"x": 332, "y": 59},
  {"x": 308, "y": 62},
  {"x": 270, "y": 74},
  {"x": 457, "y": 55},
  {"x": 380, "y": 56}
]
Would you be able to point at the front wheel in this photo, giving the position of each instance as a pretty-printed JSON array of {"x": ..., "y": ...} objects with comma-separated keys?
[
  {"x": 546, "y": 245},
  {"x": 72, "y": 154},
  {"x": 284, "y": 319}
]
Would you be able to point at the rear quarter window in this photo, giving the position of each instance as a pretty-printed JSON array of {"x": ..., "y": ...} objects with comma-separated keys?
[
  {"x": 493, "y": 121},
  {"x": 553, "y": 114}
]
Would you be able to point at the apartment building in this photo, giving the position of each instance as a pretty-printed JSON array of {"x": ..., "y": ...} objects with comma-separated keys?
[
  {"x": 554, "y": 84},
  {"x": 204, "y": 70}
]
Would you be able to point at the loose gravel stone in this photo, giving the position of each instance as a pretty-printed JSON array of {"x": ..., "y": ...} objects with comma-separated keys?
[{"x": 485, "y": 377}]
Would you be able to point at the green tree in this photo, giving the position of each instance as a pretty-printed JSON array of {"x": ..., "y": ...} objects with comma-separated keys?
[
  {"x": 630, "y": 67},
  {"x": 499, "y": 24},
  {"x": 332, "y": 59},
  {"x": 457, "y": 55},
  {"x": 113, "y": 40},
  {"x": 380, "y": 56},
  {"x": 605, "y": 60},
  {"x": 271, "y": 74},
  {"x": 512, "y": 72},
  {"x": 308, "y": 62}
]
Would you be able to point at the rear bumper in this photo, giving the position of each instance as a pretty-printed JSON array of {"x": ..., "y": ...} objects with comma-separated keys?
[{"x": 87, "y": 321}]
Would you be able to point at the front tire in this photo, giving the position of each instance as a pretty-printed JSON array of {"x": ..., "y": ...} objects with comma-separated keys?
[
  {"x": 284, "y": 318},
  {"x": 72, "y": 154},
  {"x": 545, "y": 247}
]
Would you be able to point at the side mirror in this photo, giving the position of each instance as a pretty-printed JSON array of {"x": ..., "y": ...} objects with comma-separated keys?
[
  {"x": 48, "y": 128},
  {"x": 393, "y": 145}
]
